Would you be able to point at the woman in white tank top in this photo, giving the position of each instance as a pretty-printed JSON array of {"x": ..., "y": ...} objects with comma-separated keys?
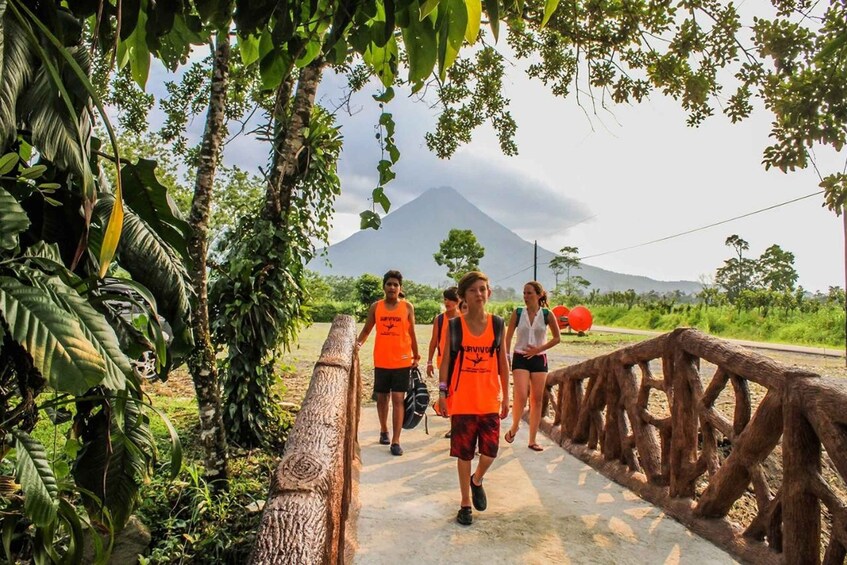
[{"x": 529, "y": 362}]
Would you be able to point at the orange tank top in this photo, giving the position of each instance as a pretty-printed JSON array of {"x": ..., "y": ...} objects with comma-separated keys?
[
  {"x": 392, "y": 344},
  {"x": 475, "y": 383},
  {"x": 442, "y": 338}
]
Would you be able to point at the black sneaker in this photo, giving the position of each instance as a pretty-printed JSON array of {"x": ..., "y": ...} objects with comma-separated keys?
[
  {"x": 383, "y": 438},
  {"x": 480, "y": 502},
  {"x": 396, "y": 449},
  {"x": 465, "y": 516}
]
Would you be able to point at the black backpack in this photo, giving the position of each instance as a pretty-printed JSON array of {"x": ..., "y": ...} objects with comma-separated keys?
[
  {"x": 416, "y": 402},
  {"x": 456, "y": 351}
]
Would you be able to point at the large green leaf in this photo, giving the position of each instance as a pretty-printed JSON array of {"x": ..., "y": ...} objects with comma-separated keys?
[
  {"x": 112, "y": 462},
  {"x": 13, "y": 220},
  {"x": 419, "y": 37},
  {"x": 96, "y": 330},
  {"x": 149, "y": 199},
  {"x": 452, "y": 23},
  {"x": 41, "y": 493},
  {"x": 154, "y": 264},
  {"x": 18, "y": 65},
  {"x": 53, "y": 338},
  {"x": 492, "y": 8}
]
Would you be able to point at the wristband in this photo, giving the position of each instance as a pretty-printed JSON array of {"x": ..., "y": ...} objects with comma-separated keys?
[{"x": 442, "y": 387}]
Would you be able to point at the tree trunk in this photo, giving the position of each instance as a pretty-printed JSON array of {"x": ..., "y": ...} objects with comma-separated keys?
[
  {"x": 290, "y": 141},
  {"x": 202, "y": 362}
]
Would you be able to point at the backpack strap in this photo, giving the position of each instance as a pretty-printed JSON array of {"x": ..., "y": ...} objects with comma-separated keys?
[
  {"x": 456, "y": 350},
  {"x": 498, "y": 324},
  {"x": 546, "y": 316},
  {"x": 440, "y": 323},
  {"x": 518, "y": 312}
]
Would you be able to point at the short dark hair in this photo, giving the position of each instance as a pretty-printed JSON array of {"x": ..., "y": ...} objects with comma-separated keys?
[
  {"x": 452, "y": 293},
  {"x": 392, "y": 275}
]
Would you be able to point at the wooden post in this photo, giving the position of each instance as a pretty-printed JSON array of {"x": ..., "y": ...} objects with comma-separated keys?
[
  {"x": 684, "y": 416},
  {"x": 302, "y": 521},
  {"x": 801, "y": 458}
]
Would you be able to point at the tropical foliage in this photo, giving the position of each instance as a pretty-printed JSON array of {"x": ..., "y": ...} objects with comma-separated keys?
[{"x": 84, "y": 316}]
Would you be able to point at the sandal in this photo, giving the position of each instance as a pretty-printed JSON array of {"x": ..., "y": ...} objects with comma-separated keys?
[
  {"x": 509, "y": 437},
  {"x": 535, "y": 447}
]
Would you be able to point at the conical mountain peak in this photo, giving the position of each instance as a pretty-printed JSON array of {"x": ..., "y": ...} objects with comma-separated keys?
[{"x": 411, "y": 234}]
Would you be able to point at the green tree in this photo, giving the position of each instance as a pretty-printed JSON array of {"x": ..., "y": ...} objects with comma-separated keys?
[
  {"x": 368, "y": 289},
  {"x": 460, "y": 253},
  {"x": 567, "y": 259},
  {"x": 737, "y": 273},
  {"x": 775, "y": 270}
]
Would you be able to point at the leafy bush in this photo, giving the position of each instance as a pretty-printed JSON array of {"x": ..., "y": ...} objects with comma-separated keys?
[
  {"x": 327, "y": 311},
  {"x": 426, "y": 311}
]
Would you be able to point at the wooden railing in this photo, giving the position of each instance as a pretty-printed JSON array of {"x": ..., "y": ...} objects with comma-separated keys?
[
  {"x": 695, "y": 460},
  {"x": 308, "y": 509}
]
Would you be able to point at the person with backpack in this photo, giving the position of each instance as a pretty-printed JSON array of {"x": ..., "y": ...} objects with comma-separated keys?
[
  {"x": 529, "y": 363},
  {"x": 439, "y": 333},
  {"x": 395, "y": 353},
  {"x": 474, "y": 375}
]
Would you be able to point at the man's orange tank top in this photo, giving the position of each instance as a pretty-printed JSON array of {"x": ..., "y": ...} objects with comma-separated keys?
[
  {"x": 475, "y": 383},
  {"x": 392, "y": 344}
]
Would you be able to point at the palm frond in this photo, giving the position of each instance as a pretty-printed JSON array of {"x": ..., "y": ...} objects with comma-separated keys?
[{"x": 54, "y": 131}]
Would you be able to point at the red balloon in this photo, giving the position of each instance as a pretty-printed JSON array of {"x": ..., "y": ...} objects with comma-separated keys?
[
  {"x": 580, "y": 319},
  {"x": 561, "y": 313}
]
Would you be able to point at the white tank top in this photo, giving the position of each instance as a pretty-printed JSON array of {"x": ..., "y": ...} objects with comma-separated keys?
[{"x": 530, "y": 335}]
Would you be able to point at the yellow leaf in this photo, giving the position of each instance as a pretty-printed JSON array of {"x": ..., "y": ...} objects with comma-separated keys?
[
  {"x": 474, "y": 18},
  {"x": 549, "y": 7},
  {"x": 112, "y": 235}
]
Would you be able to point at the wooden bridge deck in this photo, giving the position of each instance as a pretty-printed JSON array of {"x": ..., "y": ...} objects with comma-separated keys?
[{"x": 544, "y": 507}]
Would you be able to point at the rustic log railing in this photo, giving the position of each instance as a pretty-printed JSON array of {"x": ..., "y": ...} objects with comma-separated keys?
[
  {"x": 308, "y": 509},
  {"x": 602, "y": 413}
]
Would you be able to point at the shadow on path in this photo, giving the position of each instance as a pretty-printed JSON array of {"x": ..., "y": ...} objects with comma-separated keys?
[{"x": 543, "y": 507}]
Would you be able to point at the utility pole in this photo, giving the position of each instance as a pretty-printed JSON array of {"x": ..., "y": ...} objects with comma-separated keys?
[{"x": 535, "y": 258}]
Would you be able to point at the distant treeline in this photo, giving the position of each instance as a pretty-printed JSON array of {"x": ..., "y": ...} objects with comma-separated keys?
[{"x": 758, "y": 314}]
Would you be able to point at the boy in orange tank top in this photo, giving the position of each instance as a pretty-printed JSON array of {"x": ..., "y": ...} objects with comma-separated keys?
[
  {"x": 395, "y": 353},
  {"x": 478, "y": 390}
]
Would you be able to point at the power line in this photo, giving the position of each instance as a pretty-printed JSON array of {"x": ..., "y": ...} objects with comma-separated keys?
[{"x": 700, "y": 228}]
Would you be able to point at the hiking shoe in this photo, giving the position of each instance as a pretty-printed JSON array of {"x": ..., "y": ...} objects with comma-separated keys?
[
  {"x": 480, "y": 502},
  {"x": 465, "y": 516},
  {"x": 383, "y": 438},
  {"x": 396, "y": 449}
]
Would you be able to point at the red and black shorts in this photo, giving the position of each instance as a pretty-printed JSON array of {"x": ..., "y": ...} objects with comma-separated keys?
[{"x": 472, "y": 430}]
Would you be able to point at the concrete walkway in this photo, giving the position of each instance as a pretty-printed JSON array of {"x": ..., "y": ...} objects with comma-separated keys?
[{"x": 542, "y": 508}]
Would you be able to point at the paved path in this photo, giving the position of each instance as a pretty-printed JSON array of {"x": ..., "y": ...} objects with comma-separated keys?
[{"x": 544, "y": 507}]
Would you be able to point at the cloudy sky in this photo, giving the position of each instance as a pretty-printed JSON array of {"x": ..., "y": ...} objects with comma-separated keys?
[{"x": 601, "y": 181}]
